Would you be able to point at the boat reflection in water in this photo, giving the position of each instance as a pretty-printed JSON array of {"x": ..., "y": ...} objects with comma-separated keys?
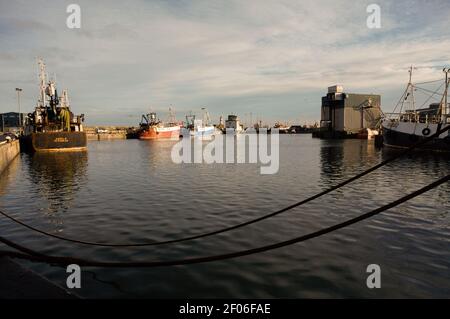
[
  {"x": 58, "y": 177},
  {"x": 423, "y": 161}
]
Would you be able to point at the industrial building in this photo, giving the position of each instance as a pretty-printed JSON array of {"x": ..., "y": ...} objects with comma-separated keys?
[
  {"x": 12, "y": 121},
  {"x": 348, "y": 114}
]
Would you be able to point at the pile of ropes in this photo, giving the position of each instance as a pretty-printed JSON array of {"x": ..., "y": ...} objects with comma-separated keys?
[{"x": 32, "y": 255}]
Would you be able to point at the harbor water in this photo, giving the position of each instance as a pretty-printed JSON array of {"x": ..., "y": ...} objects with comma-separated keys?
[{"x": 130, "y": 191}]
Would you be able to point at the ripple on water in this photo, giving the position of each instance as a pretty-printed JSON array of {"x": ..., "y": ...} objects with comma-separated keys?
[{"x": 130, "y": 191}]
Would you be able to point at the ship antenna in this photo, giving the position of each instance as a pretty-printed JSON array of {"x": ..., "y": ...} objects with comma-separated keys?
[
  {"x": 42, "y": 80},
  {"x": 410, "y": 74},
  {"x": 444, "y": 105}
]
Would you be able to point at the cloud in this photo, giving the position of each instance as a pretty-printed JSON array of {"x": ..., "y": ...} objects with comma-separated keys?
[{"x": 272, "y": 58}]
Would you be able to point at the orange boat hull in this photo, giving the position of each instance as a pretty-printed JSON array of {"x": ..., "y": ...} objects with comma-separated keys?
[{"x": 159, "y": 132}]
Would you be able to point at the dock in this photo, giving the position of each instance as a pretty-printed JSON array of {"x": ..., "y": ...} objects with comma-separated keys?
[
  {"x": 18, "y": 282},
  {"x": 106, "y": 133},
  {"x": 8, "y": 151}
]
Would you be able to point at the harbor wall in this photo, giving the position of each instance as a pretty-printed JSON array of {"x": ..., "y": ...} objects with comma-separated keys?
[
  {"x": 8, "y": 151},
  {"x": 108, "y": 133},
  {"x": 106, "y": 136}
]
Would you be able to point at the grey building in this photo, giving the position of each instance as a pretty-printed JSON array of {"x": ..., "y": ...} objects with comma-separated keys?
[
  {"x": 12, "y": 121},
  {"x": 348, "y": 113}
]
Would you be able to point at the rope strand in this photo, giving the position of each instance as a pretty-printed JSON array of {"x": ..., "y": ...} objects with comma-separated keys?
[{"x": 26, "y": 253}]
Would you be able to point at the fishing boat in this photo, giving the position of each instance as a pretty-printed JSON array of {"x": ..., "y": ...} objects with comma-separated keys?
[
  {"x": 233, "y": 125},
  {"x": 52, "y": 127},
  {"x": 282, "y": 128},
  {"x": 367, "y": 134},
  {"x": 407, "y": 127},
  {"x": 201, "y": 127},
  {"x": 153, "y": 128}
]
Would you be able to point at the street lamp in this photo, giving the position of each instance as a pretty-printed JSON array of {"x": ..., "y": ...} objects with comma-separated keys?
[{"x": 18, "y": 90}]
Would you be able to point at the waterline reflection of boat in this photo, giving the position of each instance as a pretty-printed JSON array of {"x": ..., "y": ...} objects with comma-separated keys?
[{"x": 58, "y": 177}]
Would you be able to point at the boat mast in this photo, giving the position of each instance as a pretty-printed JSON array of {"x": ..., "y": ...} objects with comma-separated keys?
[
  {"x": 42, "y": 81},
  {"x": 411, "y": 87},
  {"x": 444, "y": 105},
  {"x": 171, "y": 115}
]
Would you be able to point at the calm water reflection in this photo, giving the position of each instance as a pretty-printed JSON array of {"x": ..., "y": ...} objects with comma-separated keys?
[
  {"x": 58, "y": 176},
  {"x": 125, "y": 191}
]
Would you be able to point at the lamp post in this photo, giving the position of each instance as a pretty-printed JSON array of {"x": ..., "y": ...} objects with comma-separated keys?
[{"x": 18, "y": 90}]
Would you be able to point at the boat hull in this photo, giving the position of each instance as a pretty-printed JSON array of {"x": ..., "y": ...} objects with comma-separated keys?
[
  {"x": 159, "y": 132},
  {"x": 367, "y": 134},
  {"x": 205, "y": 131},
  {"x": 55, "y": 142},
  {"x": 406, "y": 134}
]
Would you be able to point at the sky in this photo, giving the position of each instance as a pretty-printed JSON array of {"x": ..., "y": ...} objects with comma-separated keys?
[{"x": 267, "y": 60}]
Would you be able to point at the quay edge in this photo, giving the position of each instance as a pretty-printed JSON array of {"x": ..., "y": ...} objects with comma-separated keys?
[
  {"x": 8, "y": 151},
  {"x": 19, "y": 282}
]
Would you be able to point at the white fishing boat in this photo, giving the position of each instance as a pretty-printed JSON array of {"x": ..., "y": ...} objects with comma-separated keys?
[
  {"x": 201, "y": 127},
  {"x": 408, "y": 126}
]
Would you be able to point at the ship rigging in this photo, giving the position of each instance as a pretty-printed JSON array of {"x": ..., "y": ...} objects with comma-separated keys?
[{"x": 409, "y": 125}]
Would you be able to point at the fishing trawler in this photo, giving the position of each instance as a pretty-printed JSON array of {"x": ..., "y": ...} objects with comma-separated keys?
[
  {"x": 201, "y": 127},
  {"x": 405, "y": 128},
  {"x": 153, "y": 128},
  {"x": 233, "y": 125},
  {"x": 52, "y": 126},
  {"x": 282, "y": 128}
]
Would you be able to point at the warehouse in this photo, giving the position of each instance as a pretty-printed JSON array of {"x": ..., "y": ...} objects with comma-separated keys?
[
  {"x": 11, "y": 122},
  {"x": 347, "y": 114}
]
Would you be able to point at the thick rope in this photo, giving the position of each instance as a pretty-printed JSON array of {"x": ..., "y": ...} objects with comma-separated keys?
[{"x": 26, "y": 253}]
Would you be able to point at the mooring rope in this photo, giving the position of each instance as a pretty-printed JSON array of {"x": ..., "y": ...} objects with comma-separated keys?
[
  {"x": 252, "y": 221},
  {"x": 32, "y": 255}
]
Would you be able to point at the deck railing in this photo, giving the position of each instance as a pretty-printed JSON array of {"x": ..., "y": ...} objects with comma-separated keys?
[{"x": 416, "y": 117}]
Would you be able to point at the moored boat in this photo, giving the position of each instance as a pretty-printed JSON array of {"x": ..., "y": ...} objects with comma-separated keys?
[
  {"x": 233, "y": 124},
  {"x": 282, "y": 128},
  {"x": 203, "y": 130},
  {"x": 201, "y": 127},
  {"x": 52, "y": 127},
  {"x": 406, "y": 128},
  {"x": 153, "y": 128},
  {"x": 367, "y": 134}
]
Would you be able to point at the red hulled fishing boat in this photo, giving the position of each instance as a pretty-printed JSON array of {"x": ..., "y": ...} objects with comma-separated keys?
[{"x": 153, "y": 128}]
